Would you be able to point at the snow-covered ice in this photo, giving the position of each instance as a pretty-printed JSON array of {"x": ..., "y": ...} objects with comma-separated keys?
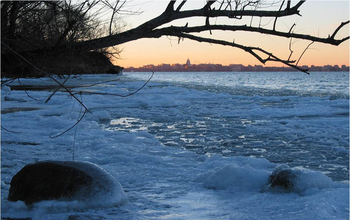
[{"x": 183, "y": 151}]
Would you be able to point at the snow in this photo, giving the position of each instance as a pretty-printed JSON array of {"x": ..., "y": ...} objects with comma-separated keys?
[
  {"x": 105, "y": 190},
  {"x": 234, "y": 176},
  {"x": 163, "y": 182}
]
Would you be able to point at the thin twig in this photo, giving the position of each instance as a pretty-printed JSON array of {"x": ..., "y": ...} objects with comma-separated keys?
[
  {"x": 290, "y": 43},
  {"x": 290, "y": 49},
  {"x": 274, "y": 23},
  {"x": 181, "y": 4},
  {"x": 48, "y": 75},
  {"x": 119, "y": 95},
  {"x": 27, "y": 92},
  {"x": 48, "y": 99},
  {"x": 16, "y": 132},
  {"x": 75, "y": 132},
  {"x": 85, "y": 111},
  {"x": 78, "y": 121},
  {"x": 304, "y": 52},
  {"x": 7, "y": 81},
  {"x": 75, "y": 135},
  {"x": 95, "y": 84}
]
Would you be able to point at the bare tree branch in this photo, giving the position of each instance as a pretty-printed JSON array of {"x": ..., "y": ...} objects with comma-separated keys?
[
  {"x": 248, "y": 49},
  {"x": 170, "y": 15},
  {"x": 198, "y": 29},
  {"x": 54, "y": 92},
  {"x": 180, "y": 6},
  {"x": 275, "y": 22},
  {"x": 338, "y": 28}
]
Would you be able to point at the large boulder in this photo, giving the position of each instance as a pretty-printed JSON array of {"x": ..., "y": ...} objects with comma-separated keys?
[{"x": 64, "y": 180}]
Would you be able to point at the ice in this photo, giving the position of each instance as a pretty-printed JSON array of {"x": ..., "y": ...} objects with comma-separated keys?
[
  {"x": 105, "y": 191},
  {"x": 5, "y": 89},
  {"x": 142, "y": 141},
  {"x": 234, "y": 176},
  {"x": 9, "y": 98},
  {"x": 102, "y": 116}
]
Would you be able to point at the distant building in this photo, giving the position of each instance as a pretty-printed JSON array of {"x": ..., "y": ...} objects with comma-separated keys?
[
  {"x": 236, "y": 67},
  {"x": 188, "y": 62}
]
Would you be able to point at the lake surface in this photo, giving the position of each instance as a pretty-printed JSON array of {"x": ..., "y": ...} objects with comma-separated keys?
[
  {"x": 330, "y": 84},
  {"x": 293, "y": 118}
]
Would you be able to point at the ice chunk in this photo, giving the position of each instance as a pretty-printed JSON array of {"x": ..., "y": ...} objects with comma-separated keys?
[{"x": 235, "y": 176}]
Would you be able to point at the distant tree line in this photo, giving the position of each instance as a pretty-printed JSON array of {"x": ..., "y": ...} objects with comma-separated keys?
[{"x": 231, "y": 68}]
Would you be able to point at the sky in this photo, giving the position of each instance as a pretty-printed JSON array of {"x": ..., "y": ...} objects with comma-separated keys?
[{"x": 319, "y": 18}]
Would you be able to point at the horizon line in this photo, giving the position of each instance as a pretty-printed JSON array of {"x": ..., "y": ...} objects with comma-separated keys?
[{"x": 233, "y": 64}]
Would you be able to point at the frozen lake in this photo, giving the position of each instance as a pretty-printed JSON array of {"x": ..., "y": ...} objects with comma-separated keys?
[
  {"x": 188, "y": 145},
  {"x": 292, "y": 118}
]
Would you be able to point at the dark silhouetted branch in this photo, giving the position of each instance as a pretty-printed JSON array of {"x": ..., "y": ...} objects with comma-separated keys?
[
  {"x": 198, "y": 29},
  {"x": 275, "y": 22},
  {"x": 170, "y": 15},
  {"x": 338, "y": 28},
  {"x": 54, "y": 92},
  {"x": 180, "y": 6},
  {"x": 252, "y": 50}
]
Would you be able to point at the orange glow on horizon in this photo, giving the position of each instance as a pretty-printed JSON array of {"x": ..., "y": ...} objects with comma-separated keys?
[
  {"x": 142, "y": 52},
  {"x": 319, "y": 18}
]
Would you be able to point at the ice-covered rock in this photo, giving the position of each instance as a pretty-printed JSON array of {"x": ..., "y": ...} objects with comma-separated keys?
[
  {"x": 296, "y": 180},
  {"x": 66, "y": 181},
  {"x": 283, "y": 177}
]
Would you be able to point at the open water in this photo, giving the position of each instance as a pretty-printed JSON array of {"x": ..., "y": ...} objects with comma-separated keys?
[{"x": 289, "y": 117}]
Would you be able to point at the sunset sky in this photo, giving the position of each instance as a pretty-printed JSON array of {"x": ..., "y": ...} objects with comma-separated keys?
[{"x": 319, "y": 18}]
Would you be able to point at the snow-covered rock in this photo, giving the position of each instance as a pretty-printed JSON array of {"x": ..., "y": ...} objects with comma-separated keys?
[
  {"x": 298, "y": 180},
  {"x": 282, "y": 177},
  {"x": 67, "y": 181}
]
